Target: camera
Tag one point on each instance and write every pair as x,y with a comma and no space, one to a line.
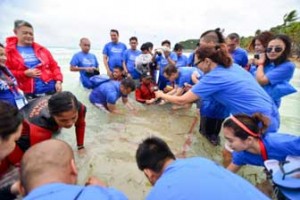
256,56
159,53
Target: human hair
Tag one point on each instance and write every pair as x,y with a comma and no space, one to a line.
62,102
82,39
144,47
152,154
257,123
170,69
215,35
18,23
264,39
119,68
114,31
133,38
1,45
165,42
286,52
234,36
128,83
217,53
10,120
149,44
178,47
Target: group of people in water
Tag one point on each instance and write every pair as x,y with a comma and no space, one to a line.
242,95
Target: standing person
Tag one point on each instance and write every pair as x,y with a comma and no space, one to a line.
129,59
48,171
9,90
239,55
226,83
182,60
190,178
85,62
33,66
113,52
274,70
252,144
10,131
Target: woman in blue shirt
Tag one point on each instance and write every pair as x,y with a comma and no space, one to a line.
252,144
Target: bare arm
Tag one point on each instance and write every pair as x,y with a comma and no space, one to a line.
233,167
188,97
105,62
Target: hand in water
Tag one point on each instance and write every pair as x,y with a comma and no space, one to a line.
33,73
95,181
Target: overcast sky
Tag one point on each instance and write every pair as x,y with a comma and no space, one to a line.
64,22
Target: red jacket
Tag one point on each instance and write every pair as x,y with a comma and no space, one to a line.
50,69
144,92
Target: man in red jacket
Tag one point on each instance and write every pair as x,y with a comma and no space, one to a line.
33,66
145,92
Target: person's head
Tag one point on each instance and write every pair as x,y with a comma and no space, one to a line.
145,48
2,55
171,73
63,107
166,43
127,86
146,78
232,41
114,35
133,42
178,48
213,36
243,131
150,46
24,32
151,157
260,42
279,49
85,45
10,128
50,161
118,72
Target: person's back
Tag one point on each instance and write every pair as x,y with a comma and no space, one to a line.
200,178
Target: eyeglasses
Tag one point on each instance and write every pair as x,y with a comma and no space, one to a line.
281,164
276,49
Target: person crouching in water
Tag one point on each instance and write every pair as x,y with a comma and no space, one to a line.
105,95
145,92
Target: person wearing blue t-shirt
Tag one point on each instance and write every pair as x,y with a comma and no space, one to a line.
49,172
113,52
239,55
86,63
182,60
274,70
129,58
190,178
227,84
163,57
251,144
106,94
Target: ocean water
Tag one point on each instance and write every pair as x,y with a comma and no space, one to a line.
111,140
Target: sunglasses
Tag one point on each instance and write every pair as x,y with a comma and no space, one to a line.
276,49
281,164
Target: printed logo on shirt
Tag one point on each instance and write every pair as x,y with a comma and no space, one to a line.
30,59
116,50
87,62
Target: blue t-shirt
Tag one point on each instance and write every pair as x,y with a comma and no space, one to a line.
200,178
240,57
107,92
163,62
191,60
238,91
70,192
185,76
31,61
129,59
182,61
7,92
82,59
276,75
114,52
278,147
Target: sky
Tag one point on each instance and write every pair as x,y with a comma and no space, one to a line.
61,23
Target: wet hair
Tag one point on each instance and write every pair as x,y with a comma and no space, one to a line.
133,38
1,45
215,35
217,53
256,123
286,52
264,39
114,31
165,42
152,154
10,120
18,23
170,69
62,102
234,36
178,47
128,83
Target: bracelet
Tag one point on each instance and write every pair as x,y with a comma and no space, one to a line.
80,147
